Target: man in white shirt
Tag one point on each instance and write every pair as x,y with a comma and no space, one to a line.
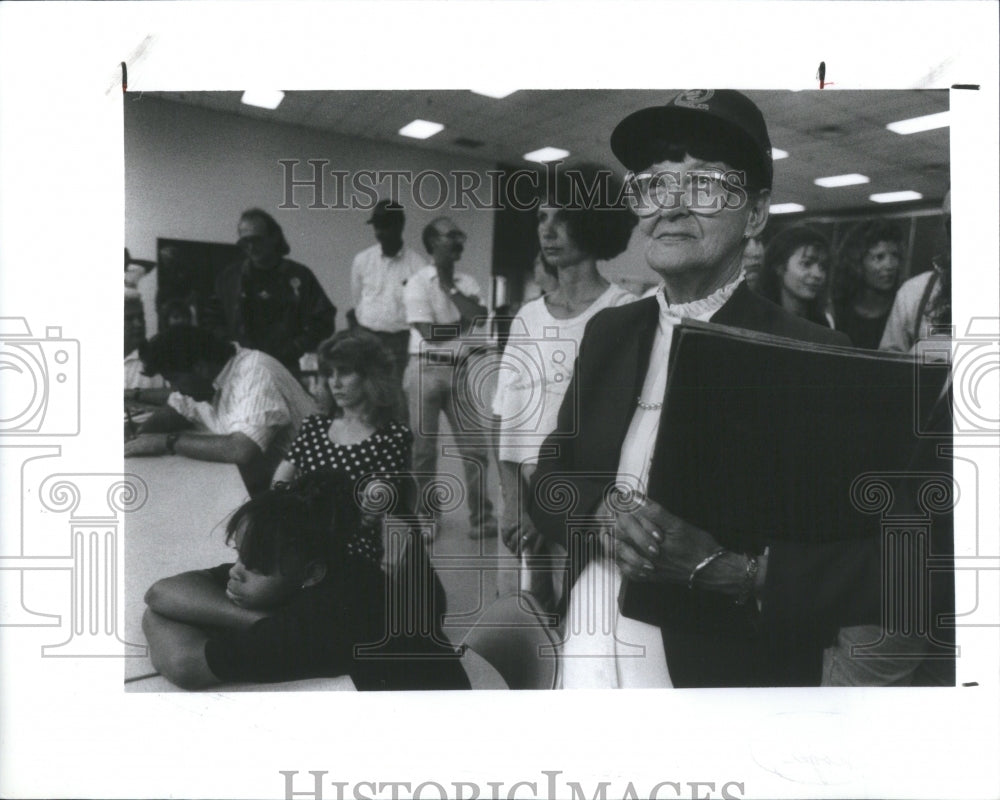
378,276
230,404
443,308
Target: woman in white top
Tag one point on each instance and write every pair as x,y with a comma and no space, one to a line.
581,219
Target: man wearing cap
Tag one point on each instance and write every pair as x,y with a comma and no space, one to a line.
445,313
269,302
700,177
378,276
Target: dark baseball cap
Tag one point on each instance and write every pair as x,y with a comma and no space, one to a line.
386,211
722,116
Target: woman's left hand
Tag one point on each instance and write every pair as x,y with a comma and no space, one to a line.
651,544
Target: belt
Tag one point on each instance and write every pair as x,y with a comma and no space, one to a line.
387,334
438,359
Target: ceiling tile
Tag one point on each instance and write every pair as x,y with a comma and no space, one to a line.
826,132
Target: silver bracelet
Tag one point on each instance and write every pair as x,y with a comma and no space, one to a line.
702,564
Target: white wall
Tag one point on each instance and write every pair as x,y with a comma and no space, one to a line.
190,171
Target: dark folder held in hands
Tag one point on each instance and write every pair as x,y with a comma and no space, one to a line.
762,438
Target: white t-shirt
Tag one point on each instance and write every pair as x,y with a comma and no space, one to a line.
535,371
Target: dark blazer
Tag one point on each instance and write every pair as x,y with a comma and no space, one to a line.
283,311
810,590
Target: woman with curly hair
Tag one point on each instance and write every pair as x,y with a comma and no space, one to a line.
866,281
796,268
582,219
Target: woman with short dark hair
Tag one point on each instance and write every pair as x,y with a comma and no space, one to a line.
582,219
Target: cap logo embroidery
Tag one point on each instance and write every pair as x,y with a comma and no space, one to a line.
695,98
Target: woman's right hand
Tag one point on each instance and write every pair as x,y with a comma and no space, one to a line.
652,544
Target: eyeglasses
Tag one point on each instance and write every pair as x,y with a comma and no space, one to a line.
456,237
704,191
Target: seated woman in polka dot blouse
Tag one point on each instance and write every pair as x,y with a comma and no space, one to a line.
362,436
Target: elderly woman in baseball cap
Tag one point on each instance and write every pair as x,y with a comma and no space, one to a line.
700,173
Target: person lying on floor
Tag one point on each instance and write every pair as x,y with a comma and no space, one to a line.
297,603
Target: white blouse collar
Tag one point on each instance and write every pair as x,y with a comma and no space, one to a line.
703,307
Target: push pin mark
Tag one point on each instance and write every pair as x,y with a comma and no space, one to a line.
821,75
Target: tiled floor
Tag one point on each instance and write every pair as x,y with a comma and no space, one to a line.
469,568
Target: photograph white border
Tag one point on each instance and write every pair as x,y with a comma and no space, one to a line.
67,728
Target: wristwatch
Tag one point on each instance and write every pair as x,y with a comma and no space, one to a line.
171,443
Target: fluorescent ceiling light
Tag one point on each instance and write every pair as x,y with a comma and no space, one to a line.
786,208
263,98
421,129
833,181
777,153
918,124
546,154
895,197
498,94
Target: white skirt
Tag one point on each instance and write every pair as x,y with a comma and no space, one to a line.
601,648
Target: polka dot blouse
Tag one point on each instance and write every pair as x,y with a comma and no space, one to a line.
386,450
